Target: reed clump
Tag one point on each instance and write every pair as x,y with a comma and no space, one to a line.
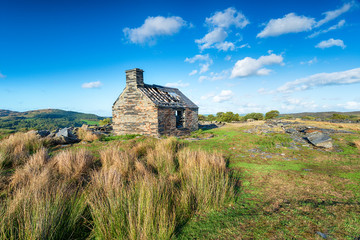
147,191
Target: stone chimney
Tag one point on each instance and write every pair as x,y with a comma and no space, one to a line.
134,77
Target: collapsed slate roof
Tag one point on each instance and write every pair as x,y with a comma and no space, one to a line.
166,96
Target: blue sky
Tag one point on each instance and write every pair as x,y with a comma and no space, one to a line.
240,56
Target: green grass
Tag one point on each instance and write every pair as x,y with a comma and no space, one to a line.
291,195
121,137
90,122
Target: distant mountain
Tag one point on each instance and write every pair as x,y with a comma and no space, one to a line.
44,119
321,115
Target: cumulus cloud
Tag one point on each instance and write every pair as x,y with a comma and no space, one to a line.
193,72
217,35
215,76
311,61
227,18
177,84
204,67
331,43
96,84
225,95
219,24
340,24
154,27
352,105
205,60
330,15
290,23
199,57
250,66
322,79
290,103
251,107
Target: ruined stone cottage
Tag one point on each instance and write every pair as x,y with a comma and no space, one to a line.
152,110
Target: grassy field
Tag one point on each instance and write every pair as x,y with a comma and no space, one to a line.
184,189
286,193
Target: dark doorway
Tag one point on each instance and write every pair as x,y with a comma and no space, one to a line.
179,118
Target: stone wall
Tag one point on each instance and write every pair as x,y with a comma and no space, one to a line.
134,113
167,122
191,119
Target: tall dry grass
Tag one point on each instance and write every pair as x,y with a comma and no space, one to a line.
87,135
357,144
145,192
139,195
15,149
42,203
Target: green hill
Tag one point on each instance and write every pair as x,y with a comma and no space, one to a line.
323,115
48,119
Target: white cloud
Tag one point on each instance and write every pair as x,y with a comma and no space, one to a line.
251,107
245,45
2,75
215,76
218,35
219,23
199,57
228,58
340,24
225,46
154,27
250,66
193,72
227,18
322,79
204,67
352,105
177,84
225,95
331,43
290,103
290,23
330,15
96,84
312,61
206,97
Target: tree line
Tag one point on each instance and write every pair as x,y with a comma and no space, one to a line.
233,117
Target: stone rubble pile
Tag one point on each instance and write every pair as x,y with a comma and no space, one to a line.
301,134
69,135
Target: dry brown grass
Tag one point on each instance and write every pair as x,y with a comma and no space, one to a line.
357,144
144,192
341,126
31,169
17,147
73,164
87,135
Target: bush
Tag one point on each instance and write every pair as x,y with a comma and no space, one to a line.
105,121
227,117
255,116
272,114
337,116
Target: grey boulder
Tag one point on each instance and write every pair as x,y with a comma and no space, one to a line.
319,139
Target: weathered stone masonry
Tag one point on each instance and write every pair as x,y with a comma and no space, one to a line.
152,109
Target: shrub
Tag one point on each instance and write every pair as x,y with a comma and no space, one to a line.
272,114
337,116
105,121
255,116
